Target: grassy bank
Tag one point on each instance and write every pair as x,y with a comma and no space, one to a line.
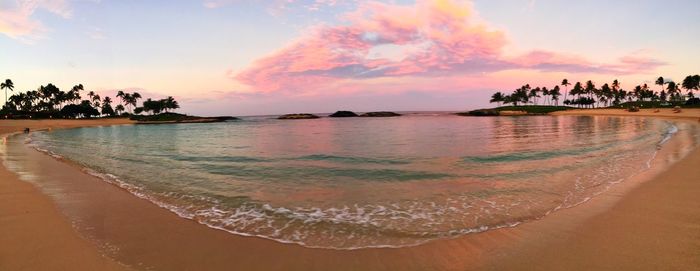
521,110
177,118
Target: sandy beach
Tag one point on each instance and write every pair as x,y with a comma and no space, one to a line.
689,114
652,223
36,236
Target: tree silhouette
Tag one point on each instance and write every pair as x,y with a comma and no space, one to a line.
107,107
497,97
660,81
691,83
7,85
555,93
566,84
119,109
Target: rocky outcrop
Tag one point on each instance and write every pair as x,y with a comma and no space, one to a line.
480,113
166,118
343,114
297,116
380,114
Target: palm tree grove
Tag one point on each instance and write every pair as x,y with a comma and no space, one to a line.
589,95
51,102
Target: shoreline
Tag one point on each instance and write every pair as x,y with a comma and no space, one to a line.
691,114
494,250
35,234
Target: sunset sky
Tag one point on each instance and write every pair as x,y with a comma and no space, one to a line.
236,57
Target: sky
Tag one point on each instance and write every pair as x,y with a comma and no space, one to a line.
236,57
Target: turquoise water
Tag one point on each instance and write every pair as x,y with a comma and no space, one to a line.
364,182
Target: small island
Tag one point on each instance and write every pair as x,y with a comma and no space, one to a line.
343,114
299,116
524,100
168,118
50,102
380,114
514,111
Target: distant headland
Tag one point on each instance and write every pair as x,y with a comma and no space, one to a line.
340,114
50,102
526,99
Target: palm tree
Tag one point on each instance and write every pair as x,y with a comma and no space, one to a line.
606,92
647,92
534,94
123,97
673,91
660,81
638,92
545,94
617,91
590,88
519,95
170,104
662,95
73,95
497,97
96,100
119,109
7,85
132,99
566,84
107,107
690,83
555,92
120,95
525,93
16,101
577,90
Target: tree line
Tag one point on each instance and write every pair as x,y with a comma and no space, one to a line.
589,95
49,101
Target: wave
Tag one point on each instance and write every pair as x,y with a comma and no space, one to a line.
383,223
306,173
352,159
667,135
231,159
312,157
544,155
388,225
308,226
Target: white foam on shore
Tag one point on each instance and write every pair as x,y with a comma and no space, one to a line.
672,130
231,220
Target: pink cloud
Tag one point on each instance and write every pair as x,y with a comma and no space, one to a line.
277,6
436,38
637,63
16,17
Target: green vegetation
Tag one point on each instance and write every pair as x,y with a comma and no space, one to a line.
690,103
176,118
158,106
480,113
534,109
380,114
51,102
297,116
587,95
7,85
529,109
343,114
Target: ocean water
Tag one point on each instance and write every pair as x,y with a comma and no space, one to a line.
366,182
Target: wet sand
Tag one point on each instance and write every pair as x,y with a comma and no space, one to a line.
33,233
647,225
689,114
